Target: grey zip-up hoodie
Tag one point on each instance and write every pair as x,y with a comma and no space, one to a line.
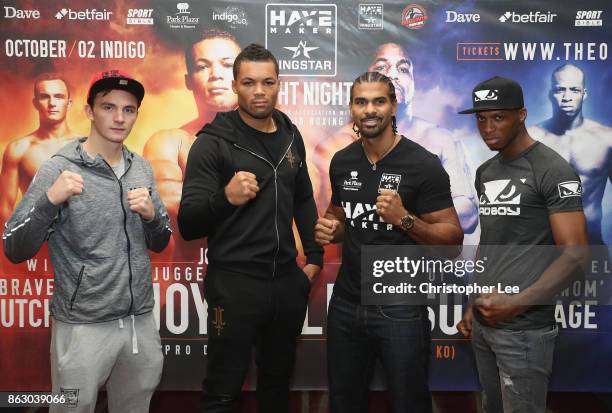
97,245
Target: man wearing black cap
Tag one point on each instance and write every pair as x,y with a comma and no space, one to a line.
529,197
96,203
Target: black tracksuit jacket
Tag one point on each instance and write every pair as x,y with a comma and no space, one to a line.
255,238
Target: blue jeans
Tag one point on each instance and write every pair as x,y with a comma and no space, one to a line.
514,367
357,335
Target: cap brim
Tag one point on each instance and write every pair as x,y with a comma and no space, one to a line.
483,109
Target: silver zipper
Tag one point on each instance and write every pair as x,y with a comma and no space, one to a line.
274,168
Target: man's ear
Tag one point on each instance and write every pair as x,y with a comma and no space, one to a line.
522,114
89,112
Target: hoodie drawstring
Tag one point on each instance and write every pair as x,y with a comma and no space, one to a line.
134,336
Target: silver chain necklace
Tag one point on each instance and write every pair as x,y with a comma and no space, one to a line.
381,156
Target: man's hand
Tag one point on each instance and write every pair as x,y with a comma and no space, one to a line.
65,186
496,307
465,325
312,271
325,230
390,208
140,202
242,188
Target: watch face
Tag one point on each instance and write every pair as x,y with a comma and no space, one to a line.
407,222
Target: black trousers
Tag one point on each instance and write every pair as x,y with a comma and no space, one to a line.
246,312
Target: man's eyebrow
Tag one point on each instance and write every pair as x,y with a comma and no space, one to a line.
404,61
381,59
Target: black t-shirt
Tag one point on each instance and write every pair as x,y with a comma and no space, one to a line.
409,169
516,197
266,144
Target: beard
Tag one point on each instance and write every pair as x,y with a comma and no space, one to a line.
373,132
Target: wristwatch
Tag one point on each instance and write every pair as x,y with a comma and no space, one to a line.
407,222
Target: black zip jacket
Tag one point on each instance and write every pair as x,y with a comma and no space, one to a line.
255,238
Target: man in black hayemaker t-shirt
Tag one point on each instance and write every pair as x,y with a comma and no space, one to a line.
529,196
386,190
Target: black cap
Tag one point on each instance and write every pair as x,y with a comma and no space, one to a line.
115,79
497,93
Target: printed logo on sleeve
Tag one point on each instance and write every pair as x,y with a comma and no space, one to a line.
72,397
570,188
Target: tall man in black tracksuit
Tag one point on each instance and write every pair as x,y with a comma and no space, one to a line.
245,182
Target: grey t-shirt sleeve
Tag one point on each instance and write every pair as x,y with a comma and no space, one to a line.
561,187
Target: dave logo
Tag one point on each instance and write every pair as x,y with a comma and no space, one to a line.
570,188
500,197
390,182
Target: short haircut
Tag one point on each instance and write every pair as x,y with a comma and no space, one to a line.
49,76
374,77
207,34
254,53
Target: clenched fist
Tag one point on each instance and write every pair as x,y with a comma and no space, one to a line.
140,202
465,325
325,230
242,188
389,207
65,186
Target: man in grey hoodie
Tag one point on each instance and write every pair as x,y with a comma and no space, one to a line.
96,203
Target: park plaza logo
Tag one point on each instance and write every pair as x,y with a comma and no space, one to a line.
352,183
182,18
